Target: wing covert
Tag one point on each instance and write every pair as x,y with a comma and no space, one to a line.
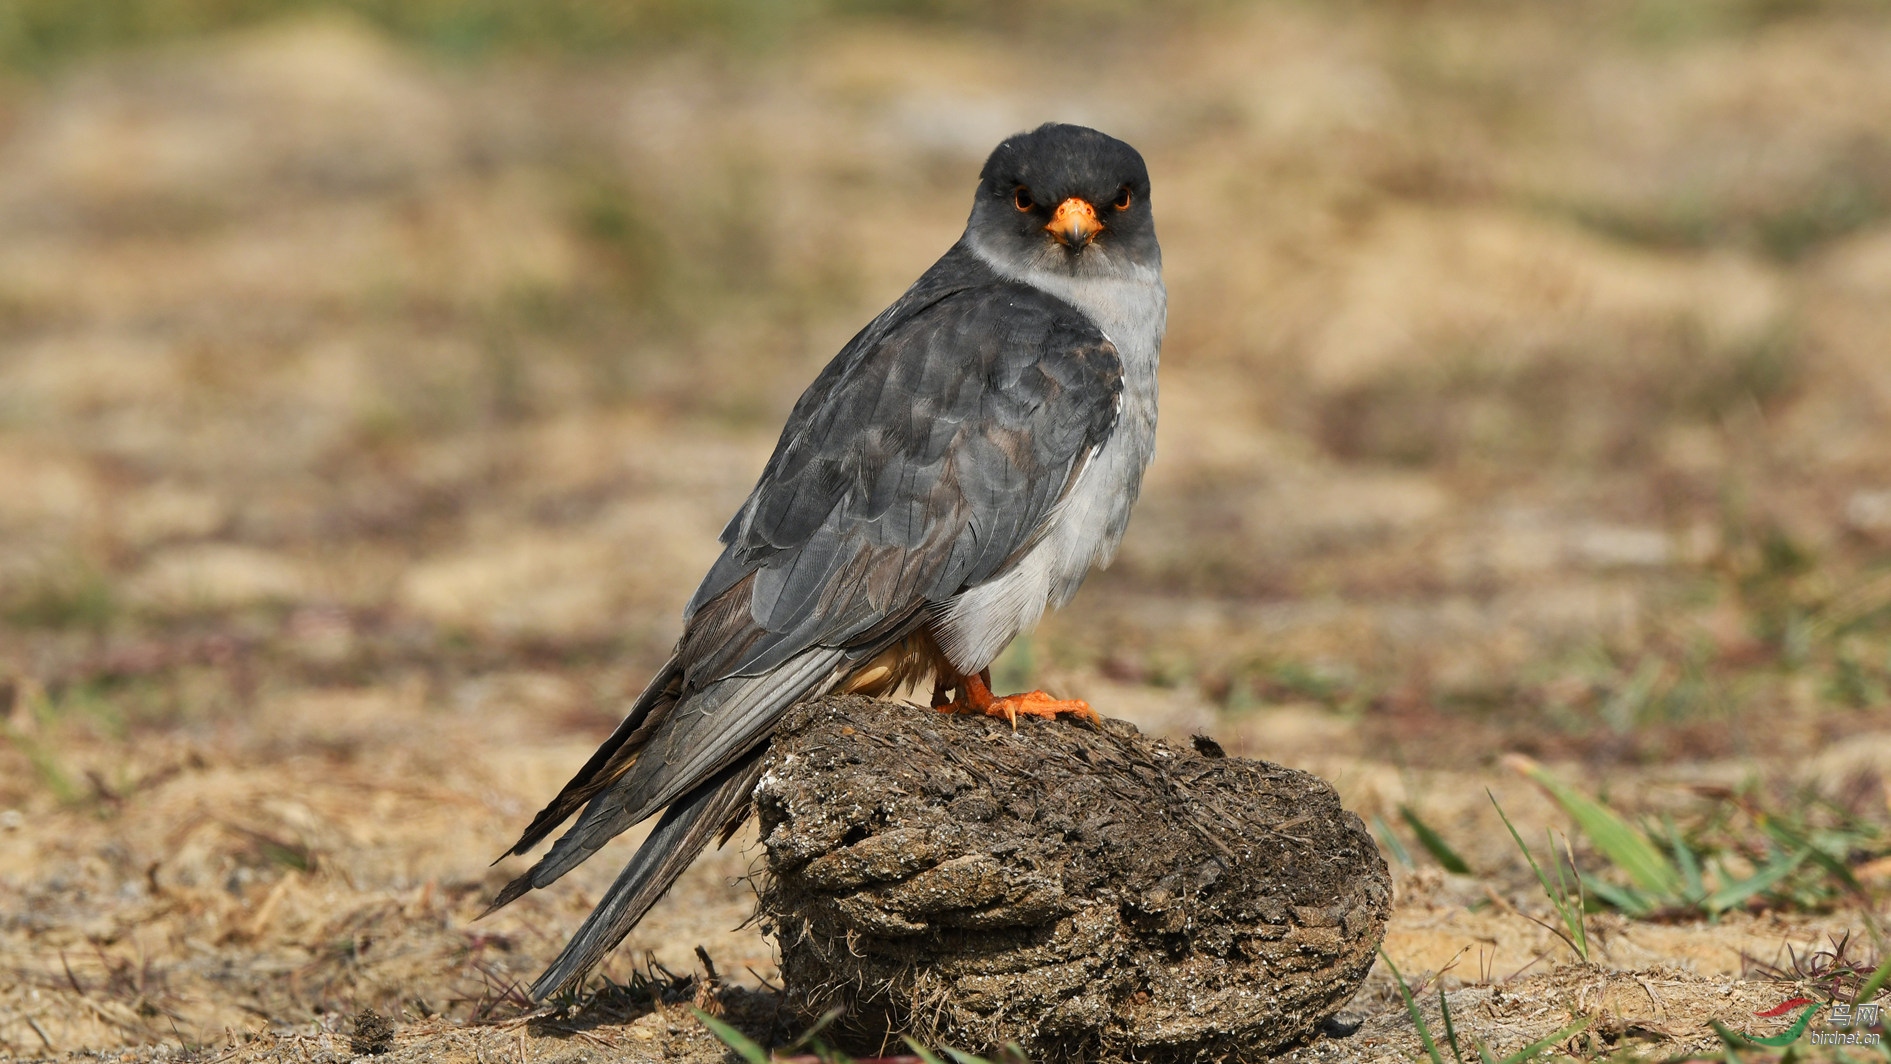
927,466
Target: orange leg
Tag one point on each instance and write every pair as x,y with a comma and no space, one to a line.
975,697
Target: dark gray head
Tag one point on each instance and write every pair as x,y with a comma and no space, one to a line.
1065,198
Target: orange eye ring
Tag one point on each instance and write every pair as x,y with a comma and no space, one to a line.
1021,198
1124,197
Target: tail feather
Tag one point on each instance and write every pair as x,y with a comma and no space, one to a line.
609,763
719,805
697,738
695,750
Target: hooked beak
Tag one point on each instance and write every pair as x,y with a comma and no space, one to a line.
1075,223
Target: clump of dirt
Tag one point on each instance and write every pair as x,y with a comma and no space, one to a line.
1088,893
374,1034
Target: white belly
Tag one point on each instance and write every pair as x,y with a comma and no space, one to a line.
1085,528
973,628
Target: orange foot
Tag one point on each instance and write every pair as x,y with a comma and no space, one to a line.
975,697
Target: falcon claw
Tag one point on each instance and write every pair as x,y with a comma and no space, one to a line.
1039,704
976,698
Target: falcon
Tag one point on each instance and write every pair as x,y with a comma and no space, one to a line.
959,467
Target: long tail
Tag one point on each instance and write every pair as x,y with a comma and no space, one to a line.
612,759
720,804
696,752
701,735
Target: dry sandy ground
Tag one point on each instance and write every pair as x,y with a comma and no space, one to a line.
264,888
364,422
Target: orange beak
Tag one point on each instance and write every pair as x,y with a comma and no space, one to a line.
1075,223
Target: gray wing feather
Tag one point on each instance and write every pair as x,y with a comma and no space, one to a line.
946,447
923,461
926,469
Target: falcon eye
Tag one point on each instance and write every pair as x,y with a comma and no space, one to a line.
1122,200
1022,200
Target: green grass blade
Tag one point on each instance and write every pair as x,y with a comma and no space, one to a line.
1685,859
808,1036
1833,864
1734,894
1411,1006
1731,1042
959,1056
1434,843
1451,1030
1571,911
1390,840
732,1038
922,1052
1626,848
1527,855
1530,1051
44,765
1872,985
1735,1039
1627,899
1578,938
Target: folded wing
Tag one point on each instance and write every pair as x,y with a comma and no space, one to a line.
925,460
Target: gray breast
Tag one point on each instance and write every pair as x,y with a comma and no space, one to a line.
1084,530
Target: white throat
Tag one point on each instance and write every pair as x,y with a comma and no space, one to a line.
1129,305
1125,300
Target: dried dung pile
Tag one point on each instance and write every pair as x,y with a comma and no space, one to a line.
1090,894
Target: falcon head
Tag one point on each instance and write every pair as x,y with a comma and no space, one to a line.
1066,198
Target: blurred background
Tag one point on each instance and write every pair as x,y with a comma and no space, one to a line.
375,377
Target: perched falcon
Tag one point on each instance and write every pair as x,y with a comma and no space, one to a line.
960,466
